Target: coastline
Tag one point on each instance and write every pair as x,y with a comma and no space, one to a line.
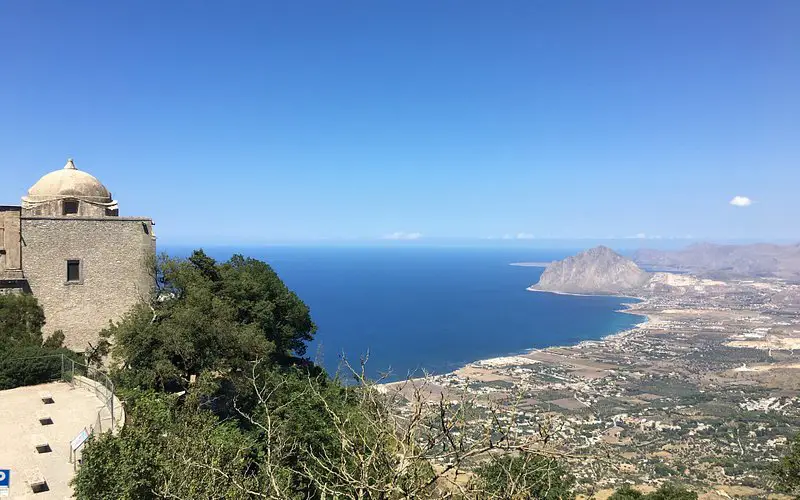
517,358
533,288
671,377
514,358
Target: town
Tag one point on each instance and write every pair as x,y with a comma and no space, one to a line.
703,392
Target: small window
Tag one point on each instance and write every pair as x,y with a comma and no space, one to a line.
73,270
70,207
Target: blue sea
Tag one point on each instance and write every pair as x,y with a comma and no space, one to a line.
433,308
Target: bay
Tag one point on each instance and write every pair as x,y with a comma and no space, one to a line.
414,308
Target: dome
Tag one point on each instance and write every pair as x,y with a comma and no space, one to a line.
69,182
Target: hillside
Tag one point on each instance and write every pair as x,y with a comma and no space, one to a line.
599,270
728,261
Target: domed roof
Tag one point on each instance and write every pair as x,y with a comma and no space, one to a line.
69,182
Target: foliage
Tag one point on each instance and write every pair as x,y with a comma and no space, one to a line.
627,492
221,404
306,438
788,469
339,441
665,492
671,492
525,476
209,317
168,450
26,357
30,365
21,320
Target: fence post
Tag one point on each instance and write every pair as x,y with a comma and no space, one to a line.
111,388
94,378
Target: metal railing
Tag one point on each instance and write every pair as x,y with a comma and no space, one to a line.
42,369
79,374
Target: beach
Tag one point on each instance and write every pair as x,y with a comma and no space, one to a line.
705,355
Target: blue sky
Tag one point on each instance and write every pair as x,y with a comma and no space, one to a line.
254,122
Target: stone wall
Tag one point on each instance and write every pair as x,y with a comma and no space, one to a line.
10,264
114,253
55,208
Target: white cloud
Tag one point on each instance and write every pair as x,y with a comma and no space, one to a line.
400,235
518,236
741,201
642,236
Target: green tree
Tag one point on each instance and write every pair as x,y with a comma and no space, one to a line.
263,300
307,438
221,404
171,450
665,492
524,476
788,469
209,317
26,357
21,320
671,492
627,492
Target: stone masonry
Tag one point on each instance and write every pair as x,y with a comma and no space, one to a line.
114,255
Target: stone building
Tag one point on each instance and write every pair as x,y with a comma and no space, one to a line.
68,245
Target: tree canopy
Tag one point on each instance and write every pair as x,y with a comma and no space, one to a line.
26,356
21,320
788,469
222,404
525,476
665,492
209,317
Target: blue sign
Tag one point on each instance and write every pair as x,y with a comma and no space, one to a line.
5,477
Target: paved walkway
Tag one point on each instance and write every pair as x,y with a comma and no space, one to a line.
72,410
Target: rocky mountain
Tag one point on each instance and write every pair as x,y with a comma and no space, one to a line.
727,261
599,270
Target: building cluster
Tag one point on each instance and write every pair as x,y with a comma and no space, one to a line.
675,399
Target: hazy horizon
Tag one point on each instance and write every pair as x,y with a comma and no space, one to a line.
575,244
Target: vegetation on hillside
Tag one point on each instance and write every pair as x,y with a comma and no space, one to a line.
665,492
788,470
222,403
209,318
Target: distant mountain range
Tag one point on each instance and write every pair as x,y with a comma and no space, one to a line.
727,261
598,270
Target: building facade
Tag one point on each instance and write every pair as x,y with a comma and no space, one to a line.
68,246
